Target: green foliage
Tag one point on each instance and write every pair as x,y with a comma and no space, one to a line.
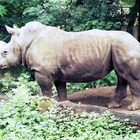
10,84
11,12
108,80
128,2
20,119
76,16
2,10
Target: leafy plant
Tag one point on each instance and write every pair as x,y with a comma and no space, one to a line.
75,15
2,10
20,119
10,84
109,80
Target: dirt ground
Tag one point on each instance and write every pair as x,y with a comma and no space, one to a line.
101,97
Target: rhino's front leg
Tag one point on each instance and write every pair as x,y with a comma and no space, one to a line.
45,82
61,89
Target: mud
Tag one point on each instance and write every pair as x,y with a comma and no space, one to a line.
101,97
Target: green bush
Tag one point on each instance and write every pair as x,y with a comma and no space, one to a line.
20,119
9,84
73,15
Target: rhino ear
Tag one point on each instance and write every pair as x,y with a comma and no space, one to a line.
10,30
15,27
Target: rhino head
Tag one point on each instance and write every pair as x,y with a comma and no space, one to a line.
13,52
10,54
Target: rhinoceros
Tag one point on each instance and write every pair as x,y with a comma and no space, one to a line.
58,57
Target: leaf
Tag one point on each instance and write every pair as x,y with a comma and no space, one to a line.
2,10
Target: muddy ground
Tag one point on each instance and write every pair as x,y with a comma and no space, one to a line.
96,100
98,96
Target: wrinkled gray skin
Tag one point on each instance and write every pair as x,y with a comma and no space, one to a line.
59,57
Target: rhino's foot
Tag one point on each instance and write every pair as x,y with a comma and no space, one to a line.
135,104
62,100
134,107
114,104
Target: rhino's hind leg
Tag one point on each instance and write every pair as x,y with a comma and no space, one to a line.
61,89
45,82
120,93
135,91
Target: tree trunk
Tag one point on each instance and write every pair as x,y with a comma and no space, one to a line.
132,17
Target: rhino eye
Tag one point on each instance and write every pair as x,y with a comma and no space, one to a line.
4,53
